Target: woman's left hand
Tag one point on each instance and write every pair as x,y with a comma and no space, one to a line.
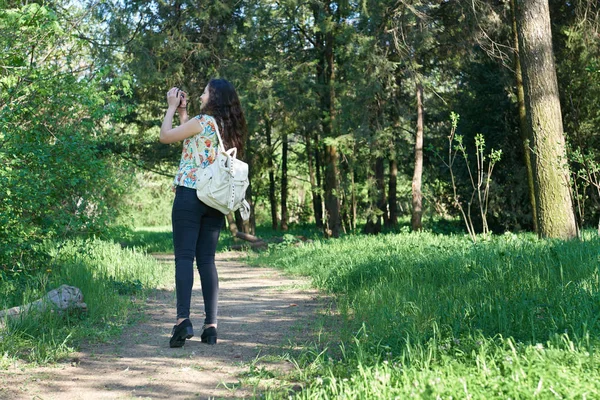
183,102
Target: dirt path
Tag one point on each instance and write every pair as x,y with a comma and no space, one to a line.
261,313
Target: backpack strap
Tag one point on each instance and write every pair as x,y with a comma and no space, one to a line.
230,154
221,144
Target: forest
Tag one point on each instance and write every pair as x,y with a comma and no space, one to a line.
371,122
359,113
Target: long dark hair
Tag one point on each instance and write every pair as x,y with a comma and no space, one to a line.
224,104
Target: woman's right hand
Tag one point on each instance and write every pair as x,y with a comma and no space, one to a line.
174,97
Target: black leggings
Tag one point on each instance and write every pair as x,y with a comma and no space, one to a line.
196,229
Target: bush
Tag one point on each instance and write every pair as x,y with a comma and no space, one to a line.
55,179
114,282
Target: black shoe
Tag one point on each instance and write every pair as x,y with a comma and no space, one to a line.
209,335
181,332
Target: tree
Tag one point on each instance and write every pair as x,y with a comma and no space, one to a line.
417,196
326,14
413,27
524,127
284,183
553,199
56,178
271,167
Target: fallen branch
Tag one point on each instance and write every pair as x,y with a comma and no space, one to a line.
256,245
248,237
259,243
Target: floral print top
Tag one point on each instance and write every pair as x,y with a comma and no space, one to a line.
207,144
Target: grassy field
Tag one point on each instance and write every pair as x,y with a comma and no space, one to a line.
424,315
158,239
435,316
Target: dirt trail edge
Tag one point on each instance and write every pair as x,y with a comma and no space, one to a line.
261,312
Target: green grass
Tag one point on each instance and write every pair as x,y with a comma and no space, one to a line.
159,239
431,315
424,315
113,281
152,239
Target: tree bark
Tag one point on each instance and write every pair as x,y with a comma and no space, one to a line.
381,197
315,189
417,195
251,223
284,183
318,199
325,78
347,194
320,77
392,196
373,224
354,200
332,203
248,237
272,197
556,218
523,126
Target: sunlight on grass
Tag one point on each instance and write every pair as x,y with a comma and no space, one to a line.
114,282
431,315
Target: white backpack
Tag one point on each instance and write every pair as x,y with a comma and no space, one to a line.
222,185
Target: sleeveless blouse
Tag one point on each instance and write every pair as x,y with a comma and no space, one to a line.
207,144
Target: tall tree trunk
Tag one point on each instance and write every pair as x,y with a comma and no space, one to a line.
284,183
371,227
381,197
325,78
524,127
373,224
332,202
345,221
242,226
318,14
393,179
392,196
377,197
315,188
319,197
272,197
347,194
553,197
354,200
250,158
417,195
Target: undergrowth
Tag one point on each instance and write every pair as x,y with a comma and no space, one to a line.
113,281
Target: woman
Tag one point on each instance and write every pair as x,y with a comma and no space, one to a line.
196,226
